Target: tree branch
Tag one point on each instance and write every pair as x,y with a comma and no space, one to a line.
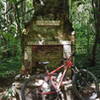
17,3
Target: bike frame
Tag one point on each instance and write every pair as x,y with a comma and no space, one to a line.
68,64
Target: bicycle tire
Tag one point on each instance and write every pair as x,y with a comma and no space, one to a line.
34,91
29,91
85,85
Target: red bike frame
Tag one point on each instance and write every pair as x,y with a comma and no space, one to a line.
68,64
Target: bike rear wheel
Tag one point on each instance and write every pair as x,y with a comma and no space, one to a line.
85,85
31,92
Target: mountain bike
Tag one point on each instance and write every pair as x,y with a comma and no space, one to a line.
50,86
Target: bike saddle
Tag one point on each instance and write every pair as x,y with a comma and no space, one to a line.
43,63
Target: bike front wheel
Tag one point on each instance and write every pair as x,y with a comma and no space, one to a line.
85,85
31,92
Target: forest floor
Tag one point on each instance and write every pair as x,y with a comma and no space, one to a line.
15,87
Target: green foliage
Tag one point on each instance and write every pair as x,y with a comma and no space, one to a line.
13,15
9,66
83,21
82,18
10,50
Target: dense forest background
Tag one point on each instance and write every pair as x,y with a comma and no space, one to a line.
85,18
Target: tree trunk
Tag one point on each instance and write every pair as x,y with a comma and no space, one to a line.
96,8
20,33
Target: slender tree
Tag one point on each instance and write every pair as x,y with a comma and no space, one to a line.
96,9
